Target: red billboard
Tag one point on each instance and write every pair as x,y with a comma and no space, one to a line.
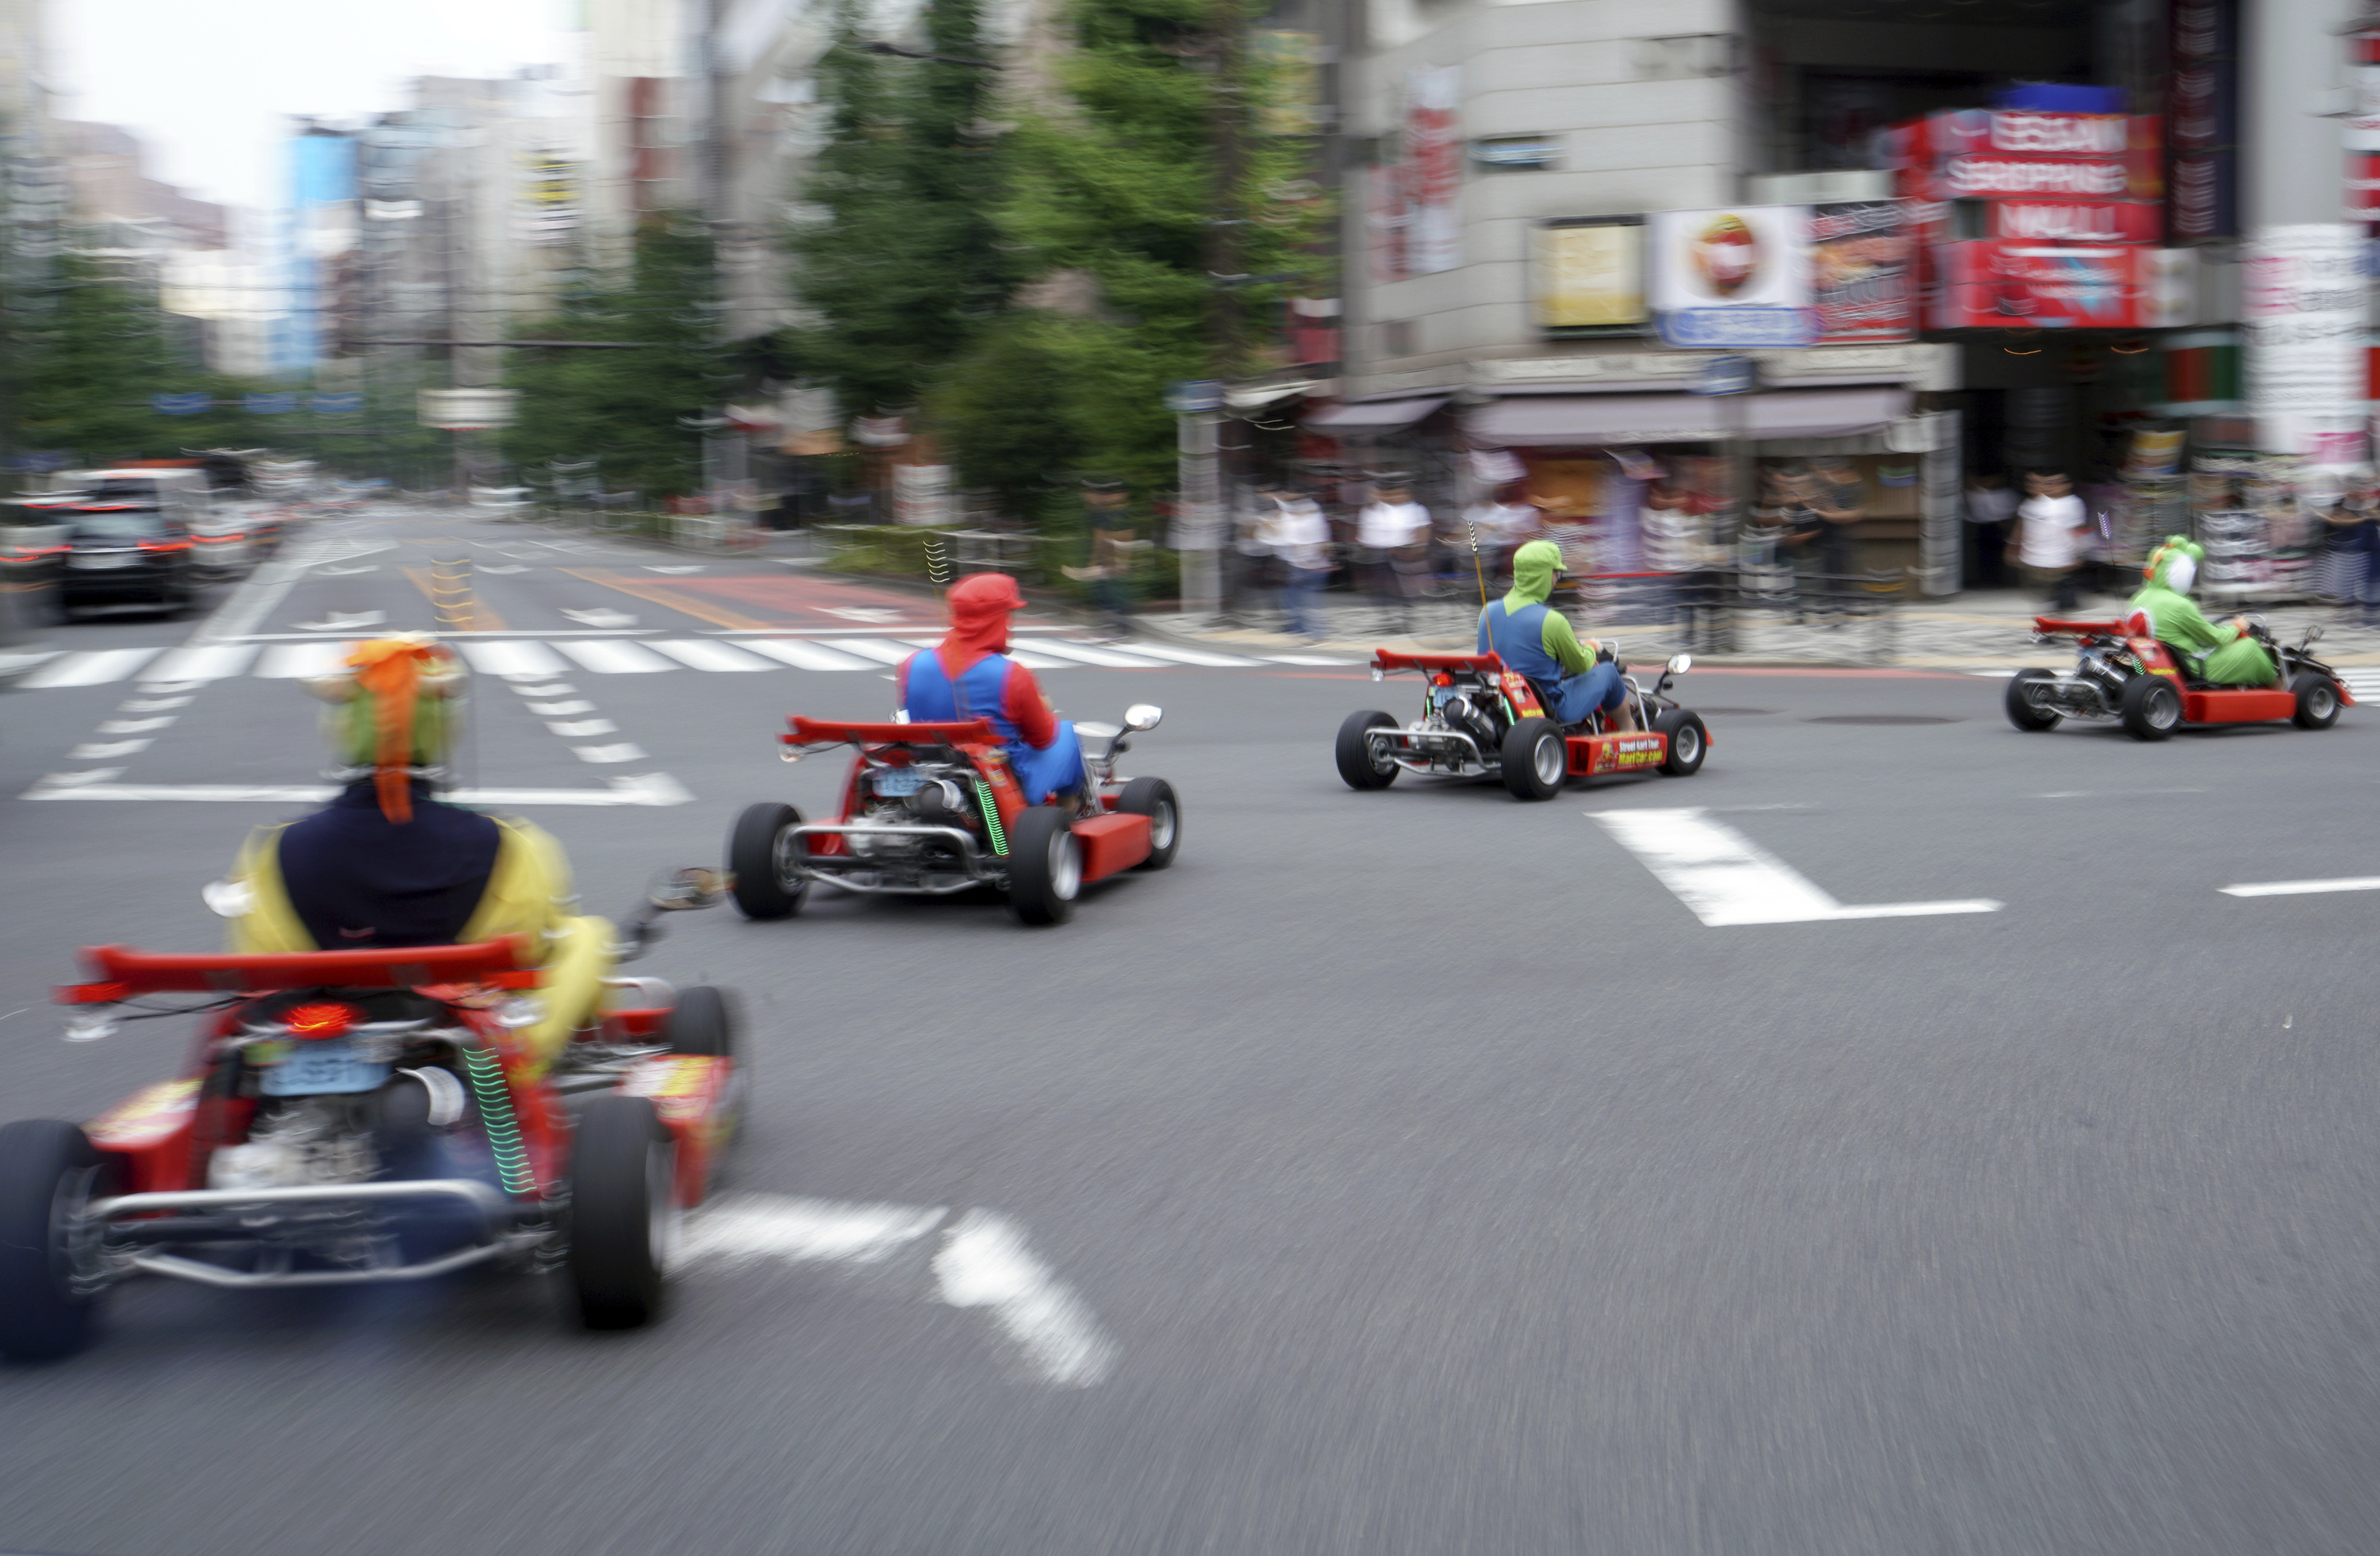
1999,284
2075,221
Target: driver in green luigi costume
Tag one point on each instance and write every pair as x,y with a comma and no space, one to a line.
2226,654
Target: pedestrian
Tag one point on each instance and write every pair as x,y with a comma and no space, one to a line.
1990,505
2350,555
1251,556
1839,500
1393,537
2049,541
1303,543
1107,514
1675,530
1501,525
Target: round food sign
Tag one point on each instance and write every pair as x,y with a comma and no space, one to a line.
1727,256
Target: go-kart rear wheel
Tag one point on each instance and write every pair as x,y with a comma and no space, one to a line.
2317,697
2152,708
2023,712
1153,797
701,1023
1689,741
1537,760
622,1209
762,851
1045,866
49,1171
1365,764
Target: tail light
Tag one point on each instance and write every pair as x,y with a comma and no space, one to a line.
93,994
316,1021
165,545
1441,679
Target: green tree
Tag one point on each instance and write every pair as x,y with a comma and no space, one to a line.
625,409
901,263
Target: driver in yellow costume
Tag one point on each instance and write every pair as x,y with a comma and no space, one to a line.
388,864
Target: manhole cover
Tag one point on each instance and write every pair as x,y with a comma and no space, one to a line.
1730,712
1880,719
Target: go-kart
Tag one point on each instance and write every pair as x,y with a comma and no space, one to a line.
1479,718
932,809
2123,673
348,1117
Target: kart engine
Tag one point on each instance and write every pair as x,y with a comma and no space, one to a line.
923,793
299,1140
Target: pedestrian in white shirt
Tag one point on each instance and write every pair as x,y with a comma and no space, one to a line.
1392,539
1990,505
2050,524
1302,536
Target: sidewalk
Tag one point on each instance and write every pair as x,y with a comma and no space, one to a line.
1988,629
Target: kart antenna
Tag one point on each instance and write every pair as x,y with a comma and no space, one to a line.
1473,531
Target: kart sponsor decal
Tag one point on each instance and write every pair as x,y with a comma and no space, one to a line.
1612,754
680,1086
145,1117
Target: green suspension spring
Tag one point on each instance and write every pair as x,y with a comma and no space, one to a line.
496,1116
992,818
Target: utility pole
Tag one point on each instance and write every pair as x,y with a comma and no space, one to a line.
1199,526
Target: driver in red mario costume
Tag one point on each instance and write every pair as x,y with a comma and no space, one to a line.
969,676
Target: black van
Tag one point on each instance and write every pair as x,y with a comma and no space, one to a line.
122,552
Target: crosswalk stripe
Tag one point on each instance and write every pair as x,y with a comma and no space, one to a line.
287,662
89,668
513,659
613,656
1189,656
876,649
802,654
1093,653
708,653
213,662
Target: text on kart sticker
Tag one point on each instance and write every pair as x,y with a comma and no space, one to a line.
145,1117
680,1084
1644,750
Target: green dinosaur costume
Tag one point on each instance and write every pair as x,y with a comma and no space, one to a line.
2224,655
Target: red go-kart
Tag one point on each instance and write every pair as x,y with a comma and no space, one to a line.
931,808
1478,718
356,1116
2123,673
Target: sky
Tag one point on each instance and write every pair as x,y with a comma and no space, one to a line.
210,85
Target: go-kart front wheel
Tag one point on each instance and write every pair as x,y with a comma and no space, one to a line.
1045,866
2317,697
49,1171
622,1209
1153,797
1537,760
1689,741
2022,711
1365,763
761,854
2152,708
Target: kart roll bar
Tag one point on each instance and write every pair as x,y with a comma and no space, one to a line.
843,732
118,971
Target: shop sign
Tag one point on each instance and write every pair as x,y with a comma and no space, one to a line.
2205,102
1863,284
1997,283
1986,177
2362,130
921,493
2075,221
2301,301
1737,277
1417,216
1589,274
467,410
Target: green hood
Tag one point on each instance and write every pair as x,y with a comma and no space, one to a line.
2161,560
1533,567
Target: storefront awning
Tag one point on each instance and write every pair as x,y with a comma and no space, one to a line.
1597,421
1373,416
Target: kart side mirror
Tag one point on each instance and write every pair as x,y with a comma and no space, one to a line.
228,899
1143,715
1680,663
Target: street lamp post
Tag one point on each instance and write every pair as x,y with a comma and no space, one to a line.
1198,526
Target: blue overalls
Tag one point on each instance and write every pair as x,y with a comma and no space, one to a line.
982,693
1518,639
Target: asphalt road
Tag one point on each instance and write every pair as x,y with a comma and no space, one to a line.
1438,1180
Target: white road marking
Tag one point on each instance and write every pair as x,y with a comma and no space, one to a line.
625,751
601,616
873,615
284,662
1727,879
345,572
1087,653
650,788
612,657
1032,661
106,751
558,689
803,655
1188,656
708,654
212,661
983,1262
876,649
91,667
133,726
559,710
512,569
340,620
580,729
2303,888
683,568
513,659
1304,659
152,704
260,592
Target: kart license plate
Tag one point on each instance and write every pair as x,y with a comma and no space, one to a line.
100,559
318,1067
899,781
